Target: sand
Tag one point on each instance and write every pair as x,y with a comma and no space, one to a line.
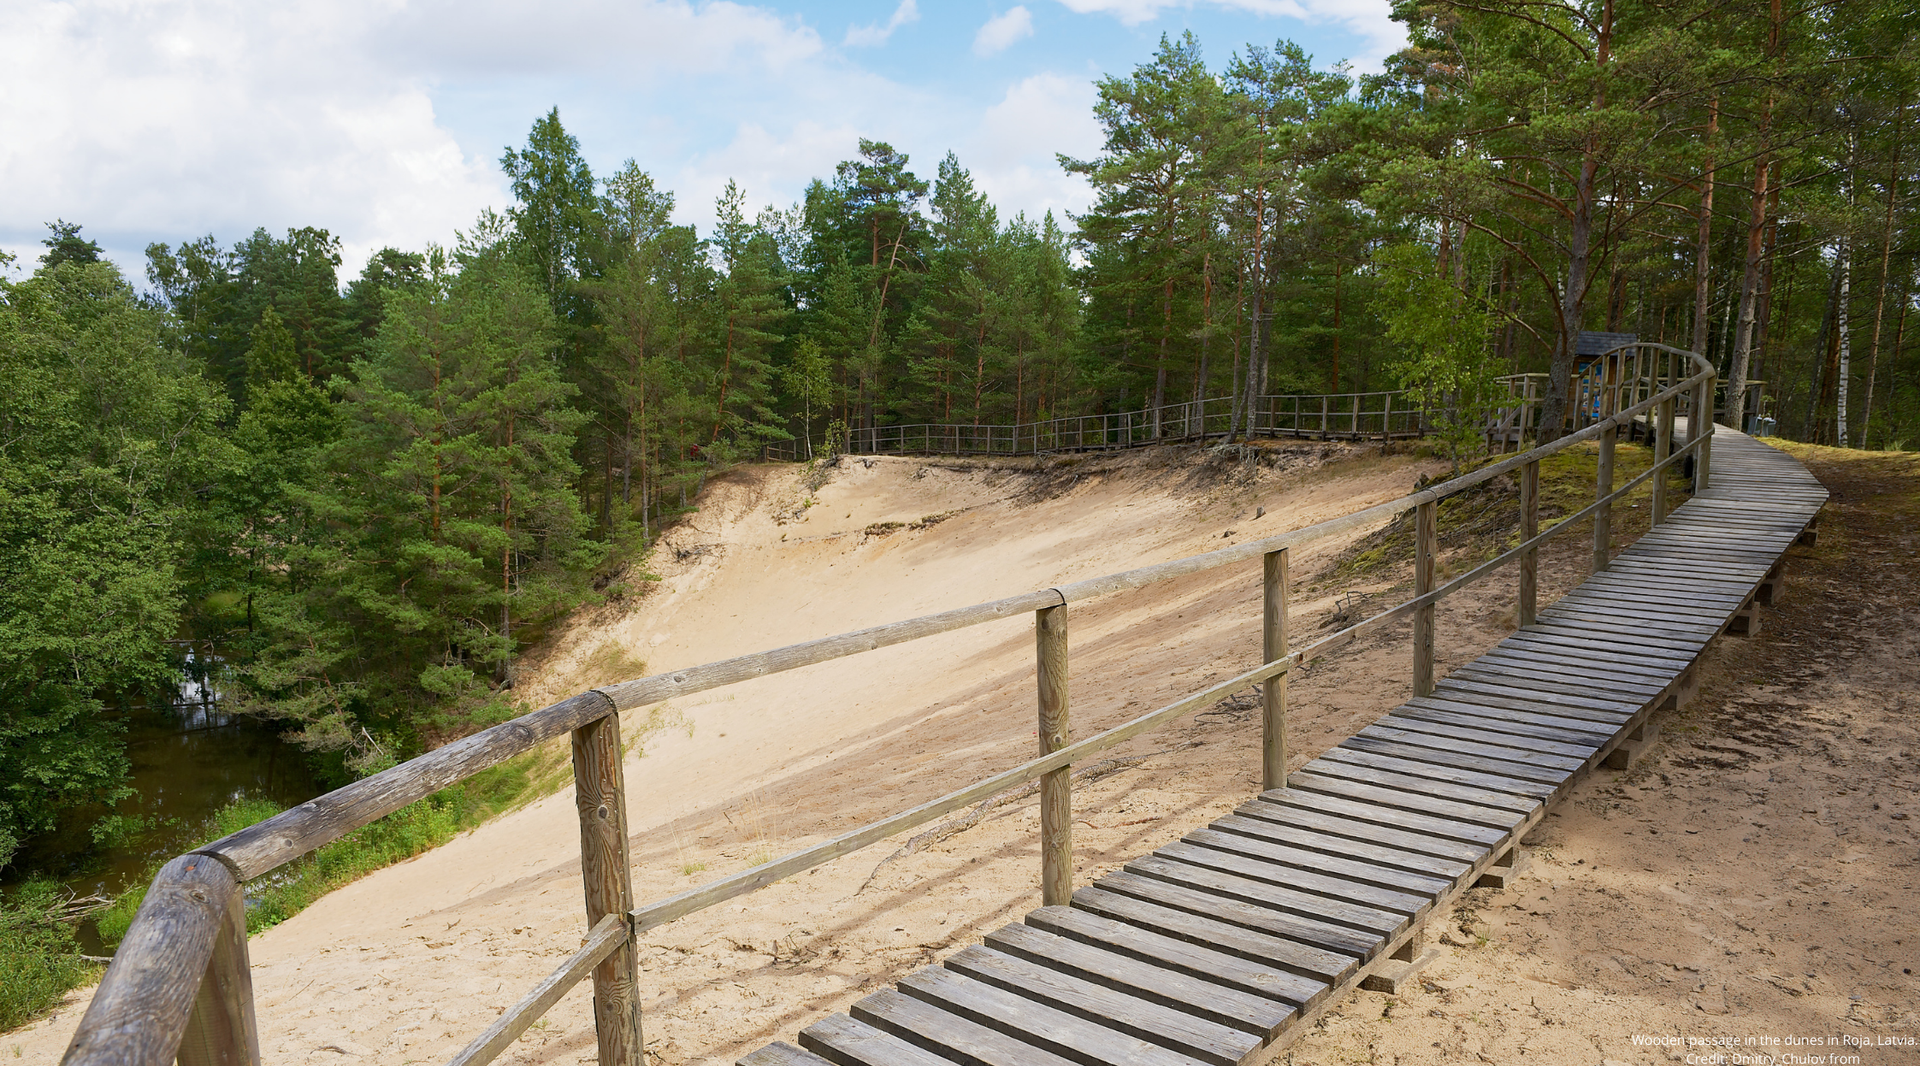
1737,882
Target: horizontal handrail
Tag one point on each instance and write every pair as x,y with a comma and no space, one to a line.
141,1007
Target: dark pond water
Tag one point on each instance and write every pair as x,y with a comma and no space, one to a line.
189,759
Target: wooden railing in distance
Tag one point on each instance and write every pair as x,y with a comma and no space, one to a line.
1344,416
179,986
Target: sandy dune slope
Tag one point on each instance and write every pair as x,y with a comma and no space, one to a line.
410,963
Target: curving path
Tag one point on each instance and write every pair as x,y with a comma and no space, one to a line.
1216,949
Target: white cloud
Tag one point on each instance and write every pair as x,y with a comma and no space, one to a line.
1371,20
1001,31
1012,151
872,36
169,120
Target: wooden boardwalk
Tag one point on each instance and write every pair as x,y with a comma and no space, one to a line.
1219,948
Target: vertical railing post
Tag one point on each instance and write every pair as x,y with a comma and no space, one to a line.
1703,460
1273,645
1529,529
600,797
1424,537
222,1030
1386,417
1056,797
1603,510
1662,448
1356,414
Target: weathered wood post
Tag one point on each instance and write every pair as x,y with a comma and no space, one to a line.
1425,534
1529,529
1603,511
1662,448
1386,417
1056,797
600,796
1703,460
222,1030
1273,645
1356,415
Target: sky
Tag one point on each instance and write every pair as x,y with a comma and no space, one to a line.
383,121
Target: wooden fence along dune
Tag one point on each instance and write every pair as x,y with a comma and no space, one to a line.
179,984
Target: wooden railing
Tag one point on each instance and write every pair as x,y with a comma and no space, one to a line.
179,984
1343,416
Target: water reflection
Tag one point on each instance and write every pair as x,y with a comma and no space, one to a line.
189,759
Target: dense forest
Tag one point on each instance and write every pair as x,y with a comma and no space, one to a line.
367,497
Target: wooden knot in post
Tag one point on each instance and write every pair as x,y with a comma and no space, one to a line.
601,812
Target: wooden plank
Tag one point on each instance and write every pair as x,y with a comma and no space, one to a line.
1426,786
1185,896
1645,644
1601,663
1530,749
781,1053
1679,621
1257,1016
1031,1022
843,1041
1438,751
1687,625
1216,876
1550,640
1345,847
1358,830
1454,710
1438,772
1514,762
1520,724
1611,709
1341,900
1174,954
1523,673
1408,801
1350,879
947,1034
1142,1019
1291,956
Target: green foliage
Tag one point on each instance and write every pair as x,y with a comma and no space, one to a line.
106,438
1442,339
42,958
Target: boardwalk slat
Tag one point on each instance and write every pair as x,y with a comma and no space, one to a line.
1388,881
948,1034
1515,785
1305,839
1366,831
1184,897
1433,750
1257,1016
1373,924
1325,967
1032,1022
1142,1019
1421,802
1170,953
1426,786
846,1042
1336,890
